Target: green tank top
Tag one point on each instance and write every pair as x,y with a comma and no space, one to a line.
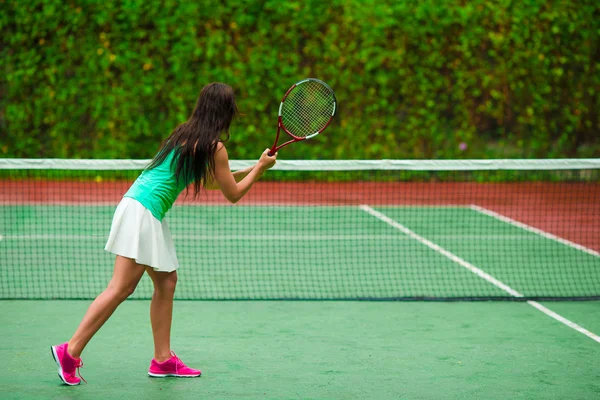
156,188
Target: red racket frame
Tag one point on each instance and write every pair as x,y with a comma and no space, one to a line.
280,124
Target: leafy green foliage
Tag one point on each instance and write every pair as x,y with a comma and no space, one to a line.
414,79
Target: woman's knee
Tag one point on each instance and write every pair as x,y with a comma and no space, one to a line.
167,284
121,292
125,278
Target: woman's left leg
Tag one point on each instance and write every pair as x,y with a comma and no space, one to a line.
161,311
165,362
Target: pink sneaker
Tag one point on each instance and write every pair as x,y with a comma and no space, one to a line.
67,365
172,367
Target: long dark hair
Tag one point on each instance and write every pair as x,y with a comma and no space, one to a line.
195,141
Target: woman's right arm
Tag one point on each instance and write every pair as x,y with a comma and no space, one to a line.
232,190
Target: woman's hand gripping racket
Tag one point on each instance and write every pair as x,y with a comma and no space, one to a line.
306,109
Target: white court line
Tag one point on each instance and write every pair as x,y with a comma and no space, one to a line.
565,321
275,237
50,237
442,251
477,271
529,228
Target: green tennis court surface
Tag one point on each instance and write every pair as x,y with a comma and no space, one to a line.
316,350
299,252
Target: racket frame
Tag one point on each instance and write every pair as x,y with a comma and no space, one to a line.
280,124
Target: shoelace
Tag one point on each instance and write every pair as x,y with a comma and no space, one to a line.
79,364
177,361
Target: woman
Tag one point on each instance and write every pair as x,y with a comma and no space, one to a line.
193,154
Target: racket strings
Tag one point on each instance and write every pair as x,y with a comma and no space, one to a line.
307,109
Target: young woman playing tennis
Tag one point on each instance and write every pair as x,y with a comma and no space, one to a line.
193,154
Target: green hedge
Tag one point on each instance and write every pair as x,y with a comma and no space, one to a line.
414,79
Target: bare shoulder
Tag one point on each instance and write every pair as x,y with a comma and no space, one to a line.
221,154
221,147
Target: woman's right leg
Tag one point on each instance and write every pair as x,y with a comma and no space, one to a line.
125,278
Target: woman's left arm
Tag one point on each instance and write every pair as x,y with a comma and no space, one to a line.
237,175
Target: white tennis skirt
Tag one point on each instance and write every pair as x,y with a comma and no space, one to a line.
136,233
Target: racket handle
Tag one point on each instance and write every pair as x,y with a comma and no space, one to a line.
271,152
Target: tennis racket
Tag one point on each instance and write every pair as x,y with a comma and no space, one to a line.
306,109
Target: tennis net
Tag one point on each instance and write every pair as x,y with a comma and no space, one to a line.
317,230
